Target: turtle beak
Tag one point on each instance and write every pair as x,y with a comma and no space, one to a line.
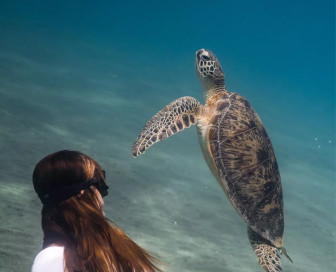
199,54
203,55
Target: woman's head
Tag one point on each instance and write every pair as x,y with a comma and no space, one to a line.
64,174
67,182
71,185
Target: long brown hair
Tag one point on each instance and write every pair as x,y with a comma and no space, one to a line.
91,243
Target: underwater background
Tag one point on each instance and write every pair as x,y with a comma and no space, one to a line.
87,75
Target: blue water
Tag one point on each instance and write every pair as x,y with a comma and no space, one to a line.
87,76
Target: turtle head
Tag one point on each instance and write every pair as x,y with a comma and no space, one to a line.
209,71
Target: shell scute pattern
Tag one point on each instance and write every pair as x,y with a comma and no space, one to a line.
239,118
244,157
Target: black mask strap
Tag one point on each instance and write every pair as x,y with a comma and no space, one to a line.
64,193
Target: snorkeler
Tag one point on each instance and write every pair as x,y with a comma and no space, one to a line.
77,236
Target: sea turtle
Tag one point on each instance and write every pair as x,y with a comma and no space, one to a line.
237,150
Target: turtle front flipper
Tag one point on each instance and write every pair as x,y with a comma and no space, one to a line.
268,255
176,116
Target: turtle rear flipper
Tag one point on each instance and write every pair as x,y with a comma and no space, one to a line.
268,255
176,116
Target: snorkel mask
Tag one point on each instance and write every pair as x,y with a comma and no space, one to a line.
63,193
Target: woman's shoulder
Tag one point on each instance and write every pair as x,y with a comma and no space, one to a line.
49,259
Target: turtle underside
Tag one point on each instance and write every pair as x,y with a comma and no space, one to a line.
247,168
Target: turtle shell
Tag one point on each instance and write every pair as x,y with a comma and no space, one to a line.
245,162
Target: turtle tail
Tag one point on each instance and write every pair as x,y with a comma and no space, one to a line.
284,251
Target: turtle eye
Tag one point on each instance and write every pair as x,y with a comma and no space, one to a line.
205,57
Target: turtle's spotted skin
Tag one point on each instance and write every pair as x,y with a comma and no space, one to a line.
244,158
237,150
